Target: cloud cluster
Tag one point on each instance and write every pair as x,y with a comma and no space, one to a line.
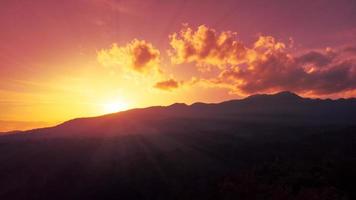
266,66
281,71
138,55
206,47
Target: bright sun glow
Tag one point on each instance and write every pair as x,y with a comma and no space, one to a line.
113,107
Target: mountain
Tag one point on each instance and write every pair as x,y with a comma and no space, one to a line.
272,147
284,107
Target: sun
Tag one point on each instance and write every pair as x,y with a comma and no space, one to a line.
115,106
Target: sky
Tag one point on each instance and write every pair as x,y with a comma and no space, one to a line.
78,58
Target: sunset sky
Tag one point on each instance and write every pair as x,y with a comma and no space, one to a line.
77,58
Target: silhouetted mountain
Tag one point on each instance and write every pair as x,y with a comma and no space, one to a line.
281,96
271,147
284,107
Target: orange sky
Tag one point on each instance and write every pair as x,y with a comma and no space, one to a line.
91,57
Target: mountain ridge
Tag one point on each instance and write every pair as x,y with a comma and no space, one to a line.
286,107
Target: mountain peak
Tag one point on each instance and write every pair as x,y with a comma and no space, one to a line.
287,94
284,95
177,105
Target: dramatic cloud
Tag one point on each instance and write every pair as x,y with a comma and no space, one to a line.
168,85
267,66
138,55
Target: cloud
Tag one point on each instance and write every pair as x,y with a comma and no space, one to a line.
168,85
279,71
206,47
317,58
350,49
141,58
138,56
266,66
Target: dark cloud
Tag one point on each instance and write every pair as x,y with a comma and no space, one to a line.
350,49
317,58
280,71
168,85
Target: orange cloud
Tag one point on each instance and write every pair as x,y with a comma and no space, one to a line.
138,55
168,85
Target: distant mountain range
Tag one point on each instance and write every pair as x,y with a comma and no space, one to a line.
284,108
